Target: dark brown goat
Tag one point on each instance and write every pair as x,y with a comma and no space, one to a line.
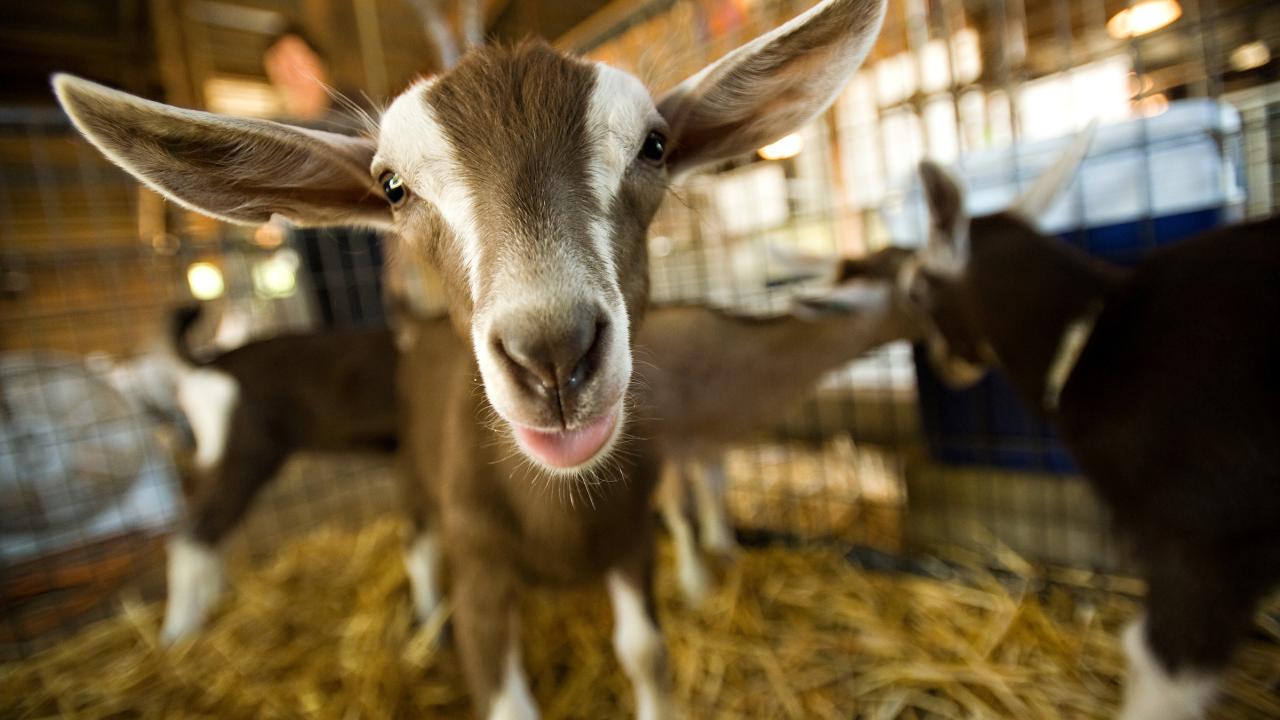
1163,381
250,409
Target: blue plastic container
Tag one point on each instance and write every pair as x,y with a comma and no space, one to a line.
1145,183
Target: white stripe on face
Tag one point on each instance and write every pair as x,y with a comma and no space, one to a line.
412,142
619,117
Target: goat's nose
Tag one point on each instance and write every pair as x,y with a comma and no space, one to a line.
552,354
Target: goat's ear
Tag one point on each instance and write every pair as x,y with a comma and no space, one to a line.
770,86
1040,196
848,298
948,245
235,169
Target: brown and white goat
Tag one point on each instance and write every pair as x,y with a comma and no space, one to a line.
529,179
250,409
1162,382
712,378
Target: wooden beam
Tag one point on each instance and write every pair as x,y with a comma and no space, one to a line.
606,22
175,73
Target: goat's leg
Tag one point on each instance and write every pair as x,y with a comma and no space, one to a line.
637,639
422,553
223,495
691,573
486,629
1198,607
713,521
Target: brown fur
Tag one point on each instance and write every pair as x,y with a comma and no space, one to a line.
337,397
531,237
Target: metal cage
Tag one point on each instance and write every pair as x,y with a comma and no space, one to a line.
879,460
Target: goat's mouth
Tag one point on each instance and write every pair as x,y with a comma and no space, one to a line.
571,450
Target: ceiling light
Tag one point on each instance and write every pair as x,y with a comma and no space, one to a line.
1249,56
205,281
1143,17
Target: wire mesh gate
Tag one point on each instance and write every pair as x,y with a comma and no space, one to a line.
868,462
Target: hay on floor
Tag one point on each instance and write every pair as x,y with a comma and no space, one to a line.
325,630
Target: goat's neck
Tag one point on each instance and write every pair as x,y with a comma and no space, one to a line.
1029,290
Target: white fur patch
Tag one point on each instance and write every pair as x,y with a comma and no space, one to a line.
1152,693
1070,347
514,701
639,647
412,143
713,521
208,397
619,117
422,564
195,583
690,571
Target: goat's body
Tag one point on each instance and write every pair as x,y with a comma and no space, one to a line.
337,394
711,378
1172,410
503,526
1206,366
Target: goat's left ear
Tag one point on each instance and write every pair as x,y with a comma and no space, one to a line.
948,245
771,86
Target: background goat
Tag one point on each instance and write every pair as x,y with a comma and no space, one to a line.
1162,381
716,377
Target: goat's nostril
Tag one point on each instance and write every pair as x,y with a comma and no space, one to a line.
589,358
524,362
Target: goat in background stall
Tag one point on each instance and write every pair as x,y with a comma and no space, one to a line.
713,378
1162,381
529,179
259,404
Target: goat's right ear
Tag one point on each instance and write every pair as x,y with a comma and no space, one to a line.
235,169
771,86
947,250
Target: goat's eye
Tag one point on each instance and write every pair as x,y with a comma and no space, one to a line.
654,147
393,187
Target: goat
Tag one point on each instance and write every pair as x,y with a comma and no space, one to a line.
528,179
715,377
1161,380
260,403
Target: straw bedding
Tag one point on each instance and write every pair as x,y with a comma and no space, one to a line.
324,630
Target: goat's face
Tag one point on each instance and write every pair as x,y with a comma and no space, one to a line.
545,171
528,178
965,259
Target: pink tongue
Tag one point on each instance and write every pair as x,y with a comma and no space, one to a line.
570,448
